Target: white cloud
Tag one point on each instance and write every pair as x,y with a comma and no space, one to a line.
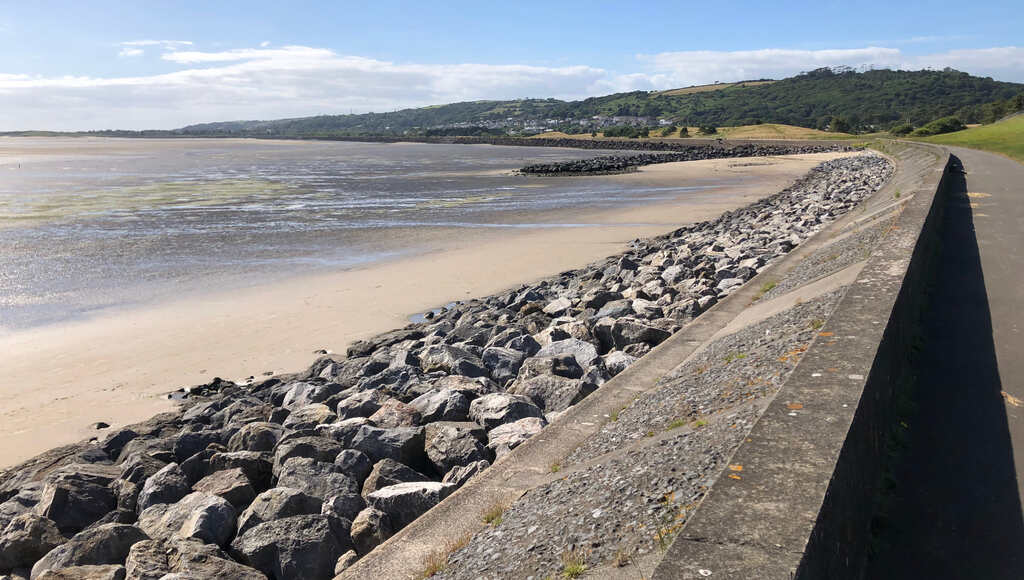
162,43
703,67
290,81
129,51
700,67
265,44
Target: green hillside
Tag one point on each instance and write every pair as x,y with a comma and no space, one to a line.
866,101
1005,137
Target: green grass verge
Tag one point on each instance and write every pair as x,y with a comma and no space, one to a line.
1005,137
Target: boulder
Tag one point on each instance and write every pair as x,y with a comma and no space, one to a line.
584,352
448,446
197,466
309,417
471,388
615,309
370,528
562,365
343,505
361,404
313,447
503,363
442,405
277,503
115,442
404,502
403,444
306,546
153,560
596,299
627,331
507,437
75,497
258,436
198,515
617,361
304,394
460,475
104,572
499,408
524,343
316,478
255,465
138,467
106,544
26,539
188,443
345,562
230,484
390,472
398,380
451,360
343,431
165,486
552,393
394,413
558,306
354,464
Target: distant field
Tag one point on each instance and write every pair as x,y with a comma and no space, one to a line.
715,87
1004,137
763,131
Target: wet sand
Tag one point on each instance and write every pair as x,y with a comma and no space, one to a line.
117,367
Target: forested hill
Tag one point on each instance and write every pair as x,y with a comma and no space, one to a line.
867,101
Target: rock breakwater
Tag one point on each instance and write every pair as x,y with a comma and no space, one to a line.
607,164
300,475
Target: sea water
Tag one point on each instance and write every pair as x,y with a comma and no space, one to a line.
88,224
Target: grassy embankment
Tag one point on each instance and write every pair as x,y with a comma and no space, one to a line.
1005,137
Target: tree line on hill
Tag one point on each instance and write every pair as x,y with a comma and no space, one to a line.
866,101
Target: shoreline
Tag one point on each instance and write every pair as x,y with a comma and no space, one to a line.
116,367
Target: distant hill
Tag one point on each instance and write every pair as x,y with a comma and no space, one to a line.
866,101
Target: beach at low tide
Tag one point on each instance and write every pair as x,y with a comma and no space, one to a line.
116,365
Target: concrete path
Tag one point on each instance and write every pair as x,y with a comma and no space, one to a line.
955,508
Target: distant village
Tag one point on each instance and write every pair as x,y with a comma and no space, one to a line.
516,126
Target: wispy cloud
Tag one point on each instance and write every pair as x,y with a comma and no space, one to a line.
129,52
274,82
161,43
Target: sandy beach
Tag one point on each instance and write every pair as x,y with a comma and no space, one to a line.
117,367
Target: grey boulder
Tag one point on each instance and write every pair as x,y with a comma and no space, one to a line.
448,445
404,502
277,503
442,405
230,484
106,544
304,547
198,515
499,408
370,528
388,472
165,486
27,538
507,437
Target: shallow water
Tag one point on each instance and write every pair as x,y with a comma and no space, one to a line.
89,224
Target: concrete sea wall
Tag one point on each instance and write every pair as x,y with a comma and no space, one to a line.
809,474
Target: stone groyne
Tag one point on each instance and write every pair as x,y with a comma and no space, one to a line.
302,475
608,164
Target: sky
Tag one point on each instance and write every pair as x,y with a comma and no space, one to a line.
162,65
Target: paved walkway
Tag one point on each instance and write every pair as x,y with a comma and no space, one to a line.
955,511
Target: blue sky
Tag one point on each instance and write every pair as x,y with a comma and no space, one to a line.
82,65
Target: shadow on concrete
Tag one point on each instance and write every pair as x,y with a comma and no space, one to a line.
953,510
